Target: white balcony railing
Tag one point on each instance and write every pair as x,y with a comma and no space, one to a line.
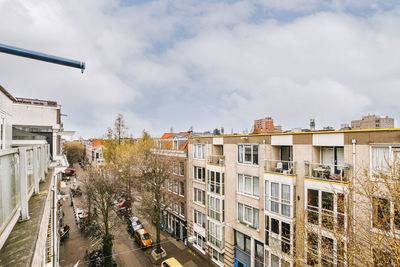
216,160
280,166
20,172
328,172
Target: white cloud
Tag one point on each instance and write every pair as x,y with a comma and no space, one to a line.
206,64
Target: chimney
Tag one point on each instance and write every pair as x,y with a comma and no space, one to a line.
312,124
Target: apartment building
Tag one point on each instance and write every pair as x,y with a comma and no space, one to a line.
30,165
373,122
174,146
250,195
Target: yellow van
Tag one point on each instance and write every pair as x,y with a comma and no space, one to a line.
171,262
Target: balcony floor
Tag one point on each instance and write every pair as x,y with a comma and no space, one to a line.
20,245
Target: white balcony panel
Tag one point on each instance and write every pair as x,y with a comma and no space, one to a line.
282,140
290,180
218,141
334,139
200,230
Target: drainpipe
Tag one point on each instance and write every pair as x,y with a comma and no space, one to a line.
353,141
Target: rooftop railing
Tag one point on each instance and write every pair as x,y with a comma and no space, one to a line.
280,166
216,160
328,172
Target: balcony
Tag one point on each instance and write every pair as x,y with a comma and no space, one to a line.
280,167
218,160
328,172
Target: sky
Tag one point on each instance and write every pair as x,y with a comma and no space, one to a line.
206,64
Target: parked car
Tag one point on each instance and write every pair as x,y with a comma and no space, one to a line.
171,262
134,224
80,214
143,238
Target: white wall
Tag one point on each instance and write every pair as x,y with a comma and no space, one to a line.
36,115
5,114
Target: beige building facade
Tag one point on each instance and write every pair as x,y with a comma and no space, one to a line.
249,196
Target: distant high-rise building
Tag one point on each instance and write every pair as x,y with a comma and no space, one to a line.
373,122
266,125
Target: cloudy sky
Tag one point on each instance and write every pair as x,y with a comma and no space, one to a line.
206,63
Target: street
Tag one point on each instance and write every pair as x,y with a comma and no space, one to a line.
126,250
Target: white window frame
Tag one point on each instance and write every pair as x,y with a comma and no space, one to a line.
198,216
181,168
242,178
198,151
216,232
392,149
211,181
215,206
199,192
195,174
244,221
251,162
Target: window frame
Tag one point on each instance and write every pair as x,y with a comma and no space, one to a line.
241,179
241,156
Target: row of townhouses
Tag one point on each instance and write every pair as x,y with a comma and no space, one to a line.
237,199
30,167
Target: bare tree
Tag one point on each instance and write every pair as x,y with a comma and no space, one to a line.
120,129
101,189
156,171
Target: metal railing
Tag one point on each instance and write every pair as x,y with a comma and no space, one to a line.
280,166
20,173
216,160
328,172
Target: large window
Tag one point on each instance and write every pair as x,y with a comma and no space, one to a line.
248,185
199,196
199,174
200,241
182,209
218,257
199,218
382,158
382,211
258,254
278,235
182,189
242,242
215,234
248,154
326,209
175,187
215,208
198,151
181,168
280,198
248,215
324,251
215,182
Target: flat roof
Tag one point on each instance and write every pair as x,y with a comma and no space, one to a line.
298,133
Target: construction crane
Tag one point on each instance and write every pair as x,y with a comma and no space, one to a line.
41,56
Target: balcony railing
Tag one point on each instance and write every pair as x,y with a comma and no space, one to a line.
280,166
216,160
20,173
328,172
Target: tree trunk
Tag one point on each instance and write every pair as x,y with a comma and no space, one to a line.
158,238
107,250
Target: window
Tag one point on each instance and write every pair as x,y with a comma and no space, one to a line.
176,206
181,188
243,242
215,208
215,234
258,254
200,241
198,151
169,185
248,185
199,196
248,154
219,257
275,197
285,200
182,211
381,213
215,180
199,174
176,187
181,168
199,218
248,215
321,250
327,209
175,168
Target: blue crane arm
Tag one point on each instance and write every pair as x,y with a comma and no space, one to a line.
41,56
